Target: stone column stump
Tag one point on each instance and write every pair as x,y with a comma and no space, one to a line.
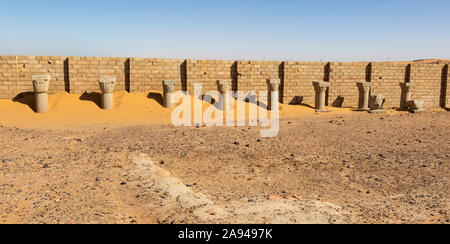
107,84
40,85
224,87
406,95
169,89
274,85
321,89
364,92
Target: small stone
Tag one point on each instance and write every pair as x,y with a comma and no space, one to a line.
7,161
162,162
45,166
98,179
123,183
274,198
211,212
236,143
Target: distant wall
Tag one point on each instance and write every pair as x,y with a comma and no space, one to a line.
80,74
148,73
84,73
298,79
208,72
16,72
445,96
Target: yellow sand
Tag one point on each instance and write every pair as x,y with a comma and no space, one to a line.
75,111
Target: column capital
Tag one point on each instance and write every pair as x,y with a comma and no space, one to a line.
41,83
406,87
107,83
274,84
169,85
321,86
364,86
224,85
376,102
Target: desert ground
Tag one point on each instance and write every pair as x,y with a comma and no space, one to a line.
79,164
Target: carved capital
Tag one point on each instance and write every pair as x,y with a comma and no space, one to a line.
274,84
364,87
224,86
376,102
415,104
41,83
321,86
107,84
169,86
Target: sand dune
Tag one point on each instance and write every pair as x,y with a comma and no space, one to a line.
70,111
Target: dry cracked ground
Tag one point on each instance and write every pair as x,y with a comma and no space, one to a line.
359,168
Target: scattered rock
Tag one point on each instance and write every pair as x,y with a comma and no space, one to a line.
46,166
376,102
236,143
274,197
7,161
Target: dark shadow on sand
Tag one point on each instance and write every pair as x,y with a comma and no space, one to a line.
158,97
94,97
26,98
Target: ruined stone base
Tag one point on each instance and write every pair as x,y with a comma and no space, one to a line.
323,110
362,110
417,111
377,111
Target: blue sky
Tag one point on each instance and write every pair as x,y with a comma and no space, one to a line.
327,30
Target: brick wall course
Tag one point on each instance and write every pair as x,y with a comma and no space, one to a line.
298,79
208,72
80,74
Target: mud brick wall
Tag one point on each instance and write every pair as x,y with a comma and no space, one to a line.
254,75
85,71
16,72
298,78
427,80
343,77
80,74
386,79
208,72
148,73
446,87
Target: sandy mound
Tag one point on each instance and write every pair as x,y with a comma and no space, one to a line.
69,111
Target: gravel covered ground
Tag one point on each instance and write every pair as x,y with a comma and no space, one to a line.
358,168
